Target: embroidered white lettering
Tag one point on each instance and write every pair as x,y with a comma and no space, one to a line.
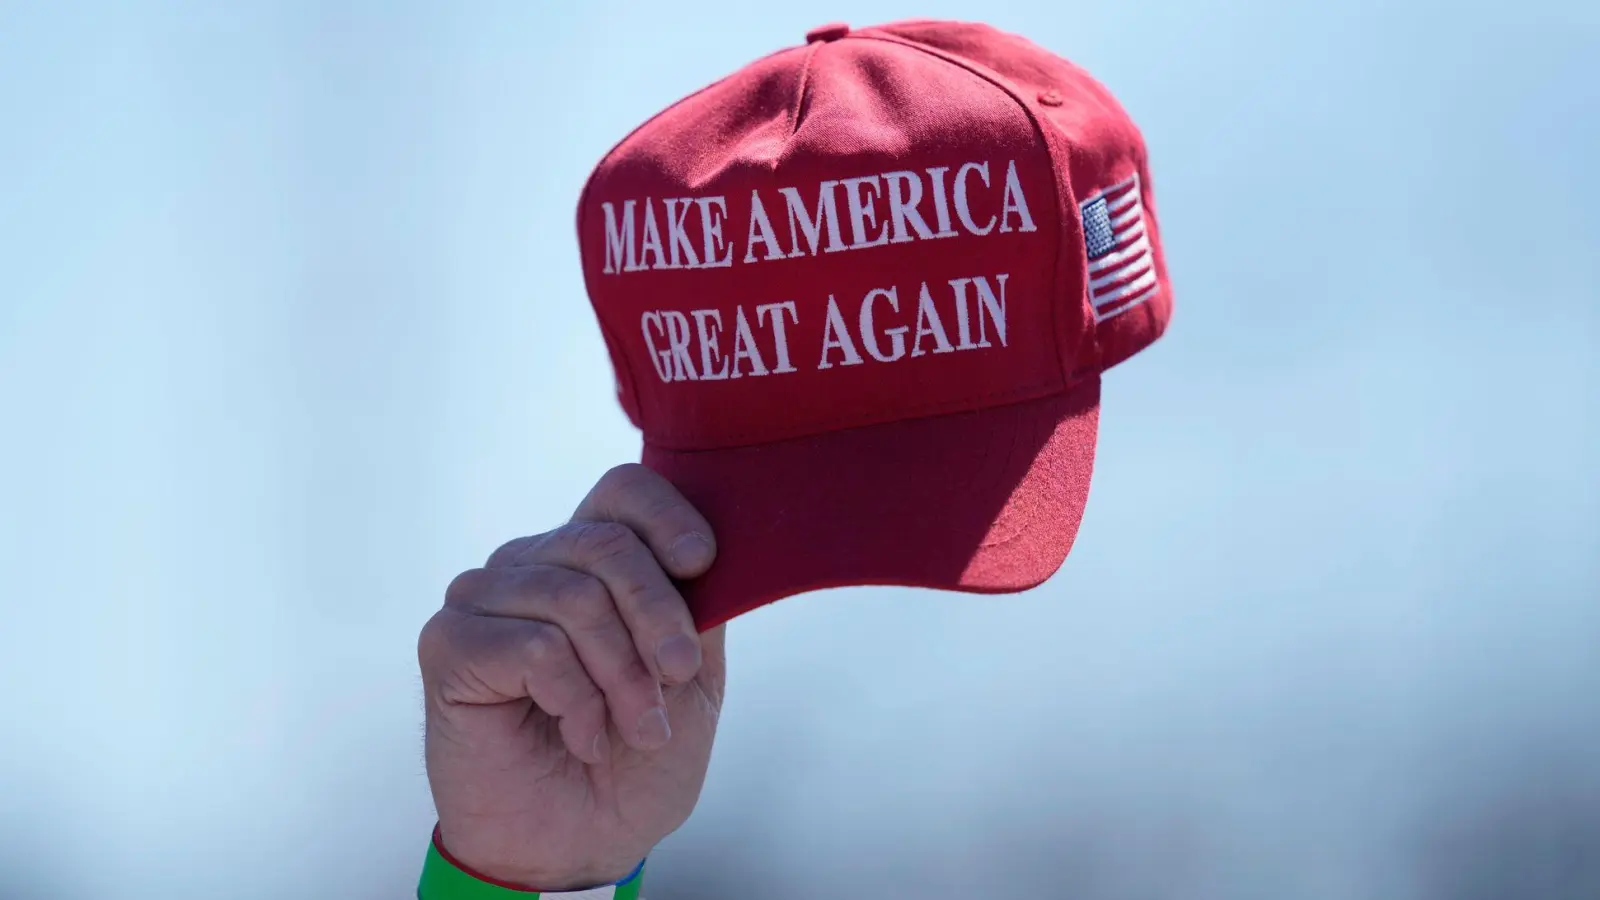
879,209
708,324
651,242
903,209
619,238
869,336
713,210
661,359
962,212
863,212
1015,203
803,223
760,223
678,345
929,324
941,201
836,334
678,236
780,338
744,346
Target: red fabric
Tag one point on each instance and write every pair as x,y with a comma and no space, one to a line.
941,437
986,502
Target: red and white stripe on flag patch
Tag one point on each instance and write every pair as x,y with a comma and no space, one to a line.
1122,270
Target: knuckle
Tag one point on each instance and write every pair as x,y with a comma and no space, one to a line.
604,540
507,553
632,676
654,608
638,595
576,691
433,643
582,599
666,509
627,477
586,695
544,647
467,588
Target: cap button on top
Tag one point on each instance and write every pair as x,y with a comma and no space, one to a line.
830,32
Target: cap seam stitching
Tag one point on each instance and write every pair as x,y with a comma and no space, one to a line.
994,78
583,205
800,94
928,411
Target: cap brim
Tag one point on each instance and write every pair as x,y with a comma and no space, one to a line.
983,502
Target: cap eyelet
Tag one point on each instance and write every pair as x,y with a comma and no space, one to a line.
1051,98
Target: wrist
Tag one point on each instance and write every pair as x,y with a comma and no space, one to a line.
446,876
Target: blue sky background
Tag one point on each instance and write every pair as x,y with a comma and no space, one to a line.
292,330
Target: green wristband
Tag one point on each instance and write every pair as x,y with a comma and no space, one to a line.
445,879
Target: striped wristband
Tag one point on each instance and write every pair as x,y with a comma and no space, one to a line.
443,878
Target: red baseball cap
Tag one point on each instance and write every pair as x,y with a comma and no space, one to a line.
858,296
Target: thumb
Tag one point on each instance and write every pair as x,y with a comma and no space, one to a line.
713,674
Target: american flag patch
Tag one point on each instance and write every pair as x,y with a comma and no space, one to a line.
1122,271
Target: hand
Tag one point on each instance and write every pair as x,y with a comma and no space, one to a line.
571,705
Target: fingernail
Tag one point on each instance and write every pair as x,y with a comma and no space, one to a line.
691,551
602,746
678,657
654,731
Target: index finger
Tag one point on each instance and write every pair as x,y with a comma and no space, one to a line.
673,529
